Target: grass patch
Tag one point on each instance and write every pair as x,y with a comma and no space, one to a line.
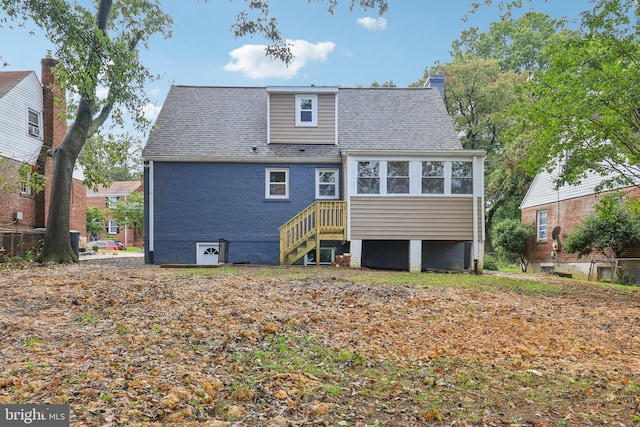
444,389
485,283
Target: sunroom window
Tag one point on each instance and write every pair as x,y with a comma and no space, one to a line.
369,177
398,177
461,178
432,177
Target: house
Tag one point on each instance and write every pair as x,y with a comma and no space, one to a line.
554,212
105,198
270,175
31,123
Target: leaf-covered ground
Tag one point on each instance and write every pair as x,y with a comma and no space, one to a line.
124,344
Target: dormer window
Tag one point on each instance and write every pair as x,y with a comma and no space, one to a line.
306,110
33,123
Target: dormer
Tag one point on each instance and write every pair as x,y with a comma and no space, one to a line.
302,115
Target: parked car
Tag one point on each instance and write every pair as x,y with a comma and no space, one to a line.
107,244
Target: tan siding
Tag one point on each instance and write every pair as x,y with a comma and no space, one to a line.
283,128
420,218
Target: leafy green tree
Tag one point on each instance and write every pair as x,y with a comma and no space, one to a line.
99,48
95,220
516,43
129,212
480,88
612,229
109,158
511,236
389,83
477,92
584,107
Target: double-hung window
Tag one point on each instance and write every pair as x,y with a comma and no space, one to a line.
111,201
277,183
112,227
541,223
25,184
327,184
368,177
33,122
432,177
306,110
397,177
461,178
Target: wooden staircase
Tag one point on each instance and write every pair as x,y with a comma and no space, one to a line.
304,232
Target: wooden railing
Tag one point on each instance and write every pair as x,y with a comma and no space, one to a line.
315,221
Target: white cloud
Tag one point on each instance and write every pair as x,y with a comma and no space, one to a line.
374,24
151,111
102,92
154,91
251,60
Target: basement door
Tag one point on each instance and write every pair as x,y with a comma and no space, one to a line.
207,253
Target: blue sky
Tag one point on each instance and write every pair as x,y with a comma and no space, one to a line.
346,49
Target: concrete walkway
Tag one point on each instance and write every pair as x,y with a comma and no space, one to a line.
90,255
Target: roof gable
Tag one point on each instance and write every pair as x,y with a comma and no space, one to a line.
117,188
225,124
542,190
10,79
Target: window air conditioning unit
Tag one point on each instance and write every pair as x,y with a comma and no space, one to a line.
34,130
17,216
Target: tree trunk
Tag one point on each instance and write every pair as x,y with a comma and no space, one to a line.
57,240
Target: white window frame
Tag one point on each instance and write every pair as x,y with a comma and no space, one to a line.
112,227
442,178
267,184
25,185
542,230
314,110
308,261
415,176
470,177
111,201
336,173
381,166
407,177
34,129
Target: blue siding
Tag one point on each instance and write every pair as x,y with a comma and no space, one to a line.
202,202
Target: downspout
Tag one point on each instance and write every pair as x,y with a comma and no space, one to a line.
151,213
126,228
476,254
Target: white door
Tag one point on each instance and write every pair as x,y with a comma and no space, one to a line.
207,253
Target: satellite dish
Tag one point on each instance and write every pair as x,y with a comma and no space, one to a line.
555,233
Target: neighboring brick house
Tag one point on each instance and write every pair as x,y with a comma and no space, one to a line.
270,175
106,198
554,213
31,122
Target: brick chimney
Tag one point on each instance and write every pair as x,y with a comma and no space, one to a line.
54,130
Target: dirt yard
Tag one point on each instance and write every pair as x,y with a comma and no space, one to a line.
125,344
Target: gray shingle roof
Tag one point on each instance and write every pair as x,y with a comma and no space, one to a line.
223,123
9,79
